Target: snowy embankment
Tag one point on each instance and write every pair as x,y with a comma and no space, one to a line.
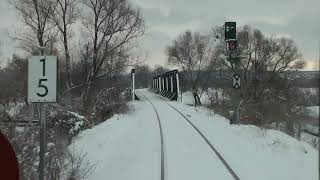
123,147
128,146
256,153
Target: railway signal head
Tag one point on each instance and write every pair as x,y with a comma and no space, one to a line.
230,32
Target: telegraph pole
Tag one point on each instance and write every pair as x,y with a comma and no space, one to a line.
231,39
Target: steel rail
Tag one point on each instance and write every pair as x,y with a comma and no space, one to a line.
208,142
161,138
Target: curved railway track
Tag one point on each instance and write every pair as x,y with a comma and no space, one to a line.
161,138
227,166
234,175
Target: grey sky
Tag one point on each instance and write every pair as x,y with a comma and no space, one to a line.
165,19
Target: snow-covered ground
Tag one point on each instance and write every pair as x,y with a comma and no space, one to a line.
256,153
187,156
128,147
312,111
123,147
187,97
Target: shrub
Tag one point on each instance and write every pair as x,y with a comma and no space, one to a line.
110,101
75,166
62,125
66,123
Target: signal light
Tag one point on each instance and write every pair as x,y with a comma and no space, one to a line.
230,32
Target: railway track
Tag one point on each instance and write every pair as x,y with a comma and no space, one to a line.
161,138
234,175
226,165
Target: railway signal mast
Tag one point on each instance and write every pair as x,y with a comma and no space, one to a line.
234,60
133,79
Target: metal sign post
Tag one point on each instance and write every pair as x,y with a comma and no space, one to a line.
236,93
42,142
178,86
133,95
42,88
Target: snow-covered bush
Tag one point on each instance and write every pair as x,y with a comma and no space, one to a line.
3,113
312,111
219,100
10,109
312,140
62,125
75,166
110,101
218,96
25,143
26,147
311,96
66,123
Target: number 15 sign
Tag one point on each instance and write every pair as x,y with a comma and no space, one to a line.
42,79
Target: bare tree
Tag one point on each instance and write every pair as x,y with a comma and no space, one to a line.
65,14
265,61
38,34
159,69
143,75
190,52
110,26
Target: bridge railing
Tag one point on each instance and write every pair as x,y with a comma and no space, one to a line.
167,84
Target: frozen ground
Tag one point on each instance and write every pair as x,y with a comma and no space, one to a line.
128,147
312,111
123,147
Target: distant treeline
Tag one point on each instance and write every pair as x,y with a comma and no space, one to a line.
223,78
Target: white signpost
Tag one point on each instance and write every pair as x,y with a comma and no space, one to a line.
42,88
42,79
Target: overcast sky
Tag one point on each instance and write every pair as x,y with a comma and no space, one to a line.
166,19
